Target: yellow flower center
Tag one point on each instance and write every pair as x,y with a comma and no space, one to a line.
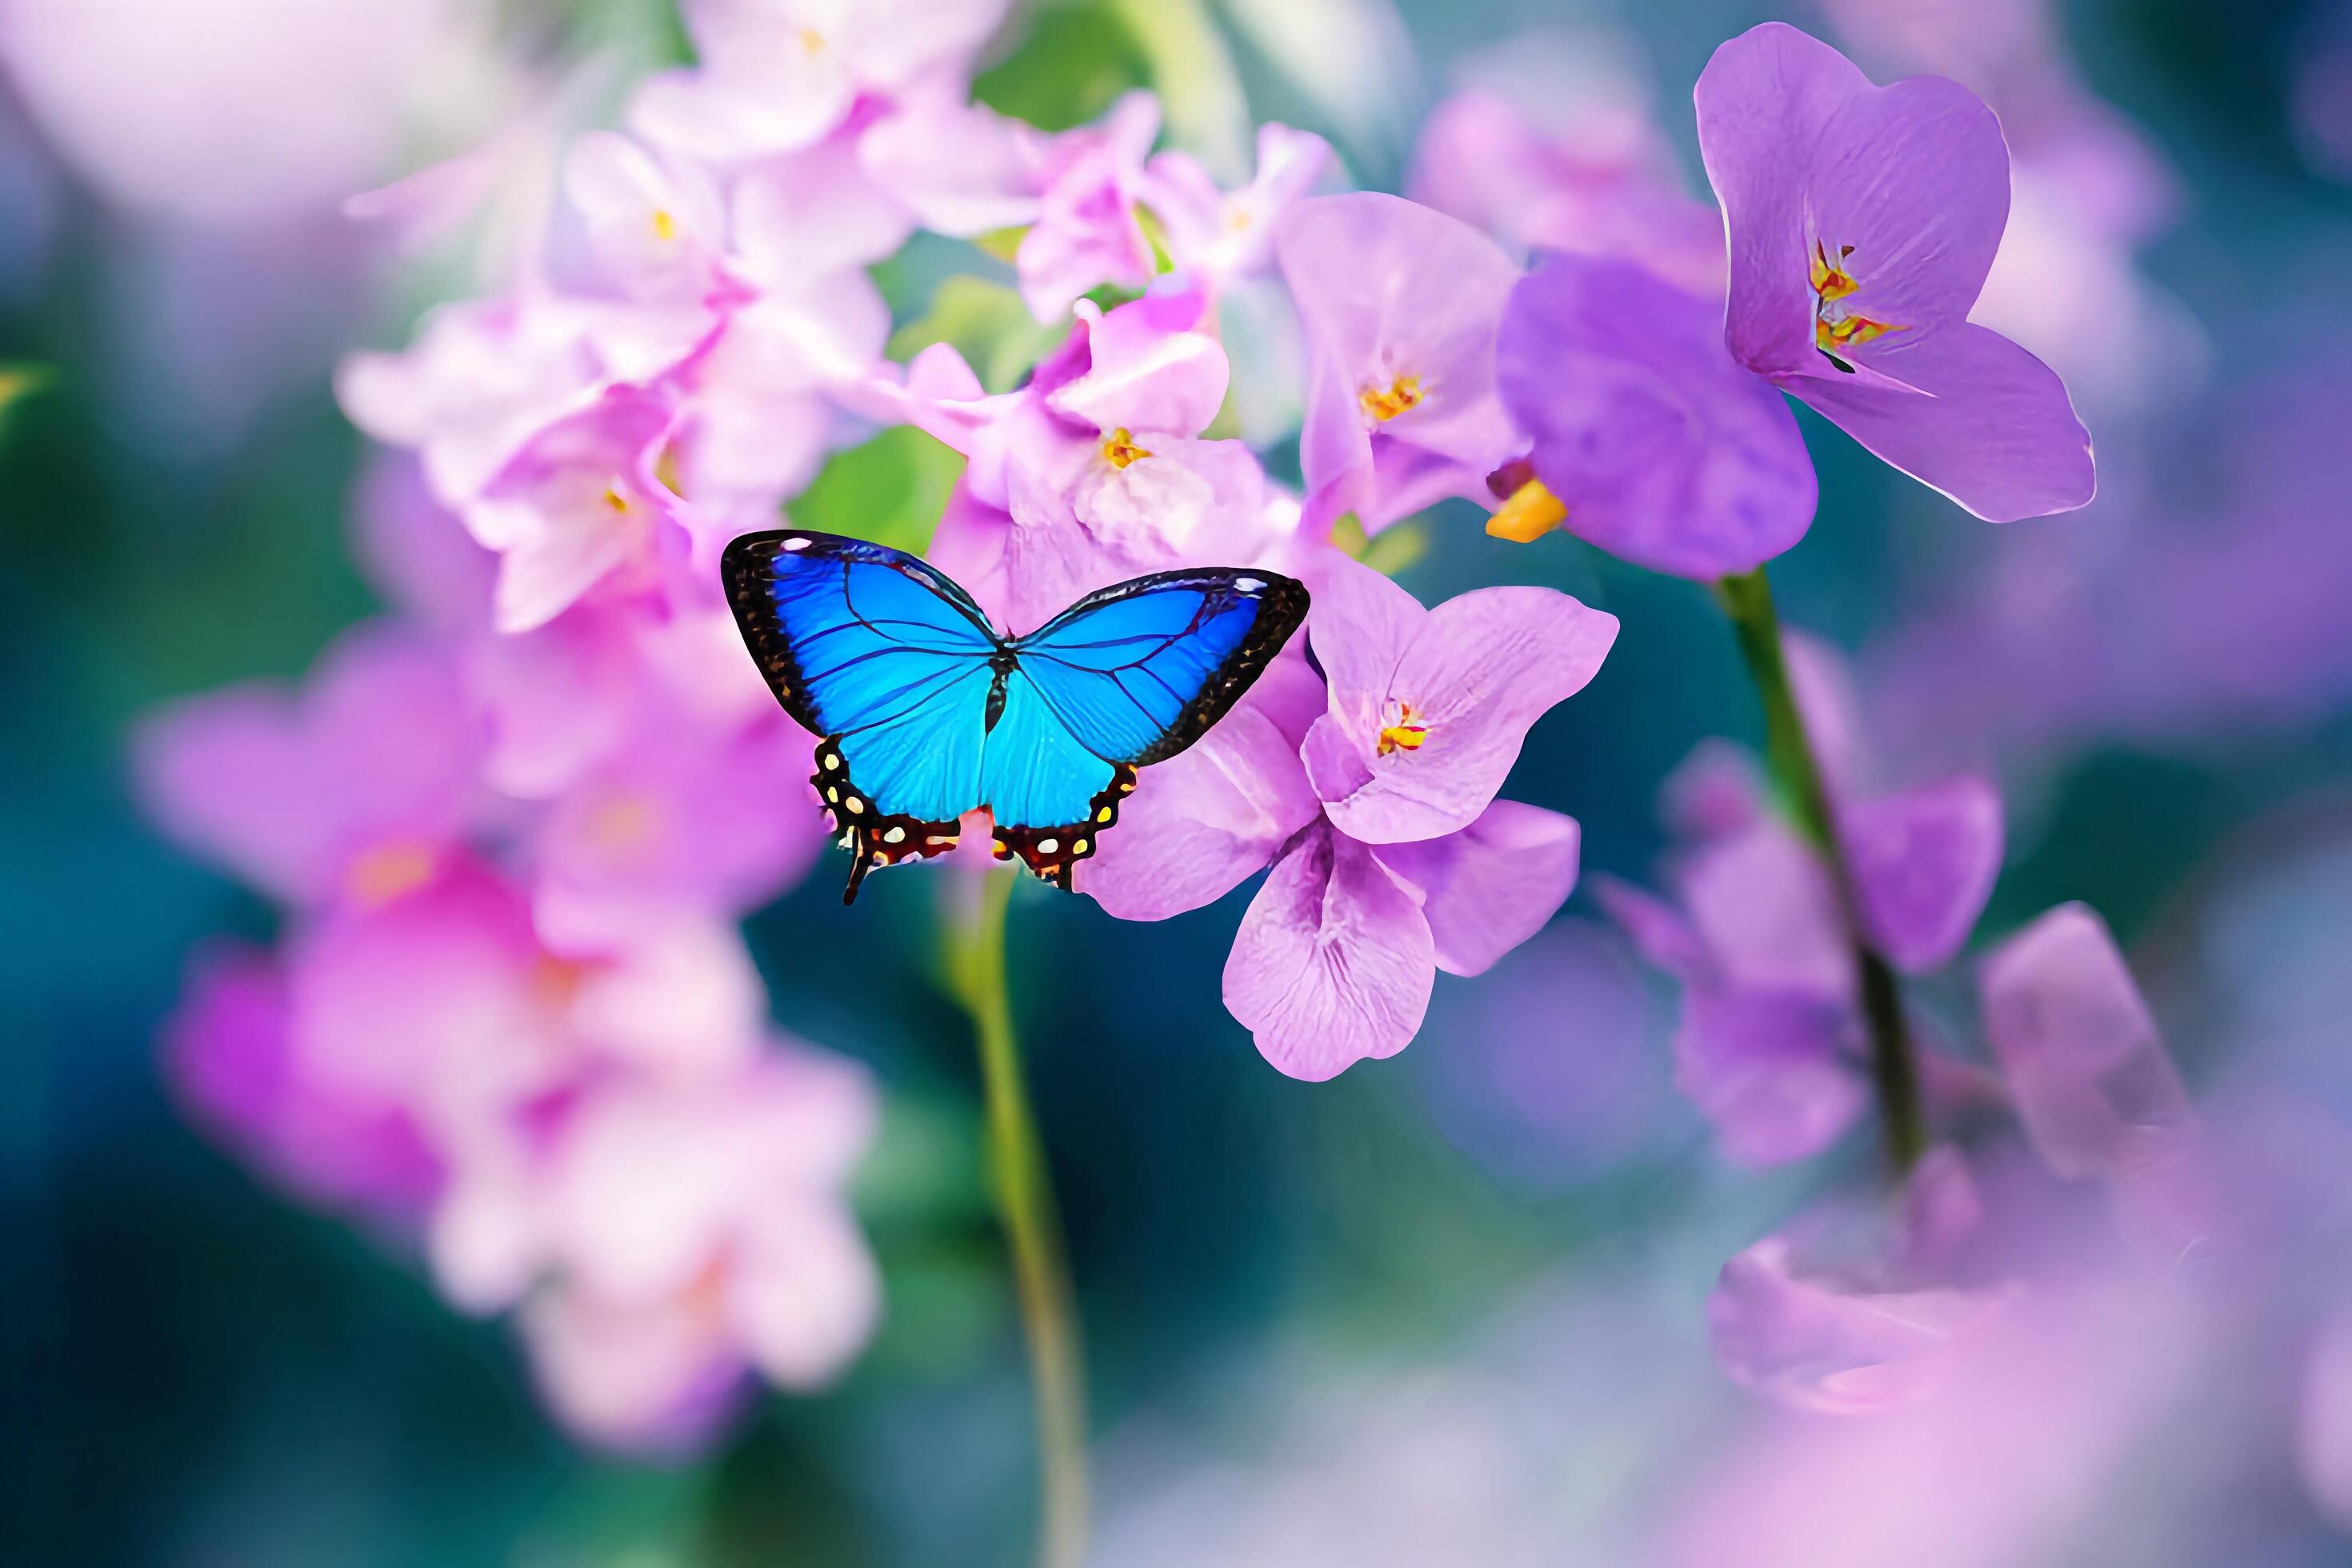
1404,735
614,496
1834,326
665,226
1384,404
1530,512
389,871
1118,448
811,41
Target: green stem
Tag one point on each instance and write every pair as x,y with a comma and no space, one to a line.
1797,777
1024,1194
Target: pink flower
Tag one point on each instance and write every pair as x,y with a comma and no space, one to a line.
354,791
779,75
1863,221
1336,957
655,225
1096,467
1852,1335
577,506
1401,306
1216,237
684,816
1663,450
667,1241
230,1053
967,171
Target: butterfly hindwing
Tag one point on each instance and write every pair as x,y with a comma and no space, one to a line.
925,712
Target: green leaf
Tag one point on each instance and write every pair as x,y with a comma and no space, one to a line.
1399,545
890,489
1075,62
989,326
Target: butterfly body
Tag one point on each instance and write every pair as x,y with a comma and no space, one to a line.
924,710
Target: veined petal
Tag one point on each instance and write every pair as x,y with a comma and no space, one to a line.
1762,102
1996,432
1333,963
1492,886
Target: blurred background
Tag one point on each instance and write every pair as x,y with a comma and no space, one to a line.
1446,1308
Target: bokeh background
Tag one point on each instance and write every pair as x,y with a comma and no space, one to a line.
1446,1308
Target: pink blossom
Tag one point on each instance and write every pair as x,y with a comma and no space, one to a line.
1863,221
1401,306
967,171
1096,466
779,75
1217,237
355,790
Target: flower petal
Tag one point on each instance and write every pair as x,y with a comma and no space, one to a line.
2093,1085
1924,862
1769,1071
1913,178
1480,671
1149,369
1492,886
1770,915
1996,431
1203,822
1762,102
1665,451
1359,625
1334,962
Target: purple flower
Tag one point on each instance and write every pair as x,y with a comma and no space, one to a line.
1401,306
1798,1319
354,790
1863,221
1336,957
1663,451
1427,708
1770,1044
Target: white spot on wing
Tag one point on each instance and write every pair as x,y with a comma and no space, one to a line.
1248,584
796,543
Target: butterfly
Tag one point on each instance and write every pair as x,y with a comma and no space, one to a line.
924,710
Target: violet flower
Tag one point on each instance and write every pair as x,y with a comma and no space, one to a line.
1660,448
1863,221
1769,1047
1401,306
1374,799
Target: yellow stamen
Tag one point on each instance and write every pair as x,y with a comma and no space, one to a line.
1384,405
1847,331
1531,512
1119,449
388,872
1404,735
811,42
614,498
665,226
1831,281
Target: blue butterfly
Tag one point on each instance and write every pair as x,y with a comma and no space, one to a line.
926,712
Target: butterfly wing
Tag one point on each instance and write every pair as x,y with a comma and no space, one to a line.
1126,677
889,663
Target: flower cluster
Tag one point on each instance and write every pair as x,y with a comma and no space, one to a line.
514,824
1852,1308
